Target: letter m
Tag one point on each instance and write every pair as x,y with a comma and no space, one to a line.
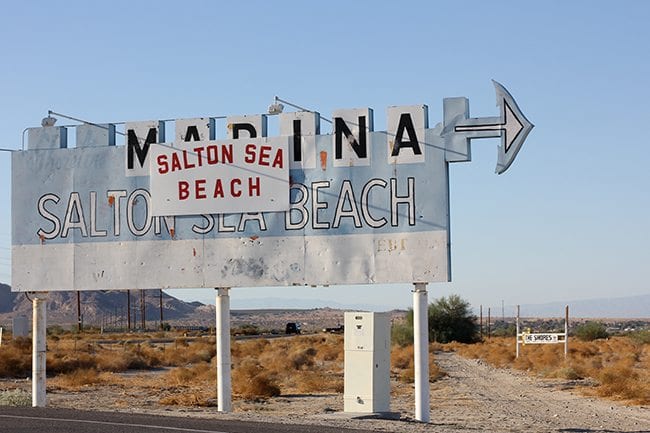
139,137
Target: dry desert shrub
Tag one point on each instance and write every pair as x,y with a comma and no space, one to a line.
78,378
243,349
66,362
190,399
317,381
203,373
200,350
401,362
15,358
619,365
251,381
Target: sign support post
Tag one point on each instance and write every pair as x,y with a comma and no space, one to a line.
224,388
517,332
39,398
566,331
421,351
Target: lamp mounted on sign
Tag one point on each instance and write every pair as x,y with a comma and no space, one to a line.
277,108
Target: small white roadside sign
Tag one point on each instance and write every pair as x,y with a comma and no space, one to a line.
542,338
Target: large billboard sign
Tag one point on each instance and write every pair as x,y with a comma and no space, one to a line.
303,208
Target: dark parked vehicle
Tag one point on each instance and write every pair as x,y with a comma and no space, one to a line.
292,328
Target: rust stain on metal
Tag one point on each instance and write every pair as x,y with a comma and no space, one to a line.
172,233
194,252
323,160
254,238
111,200
42,238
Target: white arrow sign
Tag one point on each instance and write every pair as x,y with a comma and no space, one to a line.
512,126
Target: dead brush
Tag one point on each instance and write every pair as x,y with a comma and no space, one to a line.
329,348
620,381
193,353
250,380
619,365
202,373
243,349
15,358
63,362
498,351
401,362
190,399
317,382
78,378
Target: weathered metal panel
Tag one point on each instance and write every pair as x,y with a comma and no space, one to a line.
95,135
51,137
246,126
198,129
302,127
80,223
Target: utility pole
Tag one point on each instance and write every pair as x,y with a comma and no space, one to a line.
79,326
161,311
488,325
128,310
143,319
481,321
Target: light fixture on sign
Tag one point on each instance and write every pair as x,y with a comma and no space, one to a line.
48,121
276,107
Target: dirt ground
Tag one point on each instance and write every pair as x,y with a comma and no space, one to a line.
472,397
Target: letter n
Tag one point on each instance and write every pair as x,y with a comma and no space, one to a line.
351,137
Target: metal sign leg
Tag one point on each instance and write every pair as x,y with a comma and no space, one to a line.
421,351
224,387
39,397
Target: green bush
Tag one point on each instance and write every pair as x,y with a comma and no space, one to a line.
590,331
402,333
642,337
450,319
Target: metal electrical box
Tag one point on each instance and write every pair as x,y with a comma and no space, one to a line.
367,363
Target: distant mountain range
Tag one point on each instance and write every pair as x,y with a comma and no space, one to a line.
637,307
109,307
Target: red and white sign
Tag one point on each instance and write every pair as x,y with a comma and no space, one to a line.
217,177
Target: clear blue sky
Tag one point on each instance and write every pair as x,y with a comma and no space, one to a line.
569,220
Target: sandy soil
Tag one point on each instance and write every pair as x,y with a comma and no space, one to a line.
472,397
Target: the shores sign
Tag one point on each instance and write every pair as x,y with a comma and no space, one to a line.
303,208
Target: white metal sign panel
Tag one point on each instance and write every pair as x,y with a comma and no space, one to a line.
547,338
216,177
361,207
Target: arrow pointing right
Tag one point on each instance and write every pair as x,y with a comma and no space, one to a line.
512,126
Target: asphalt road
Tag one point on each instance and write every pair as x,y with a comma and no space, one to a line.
27,419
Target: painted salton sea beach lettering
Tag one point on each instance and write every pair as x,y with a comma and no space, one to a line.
204,210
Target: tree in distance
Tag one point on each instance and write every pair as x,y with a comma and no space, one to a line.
590,331
450,319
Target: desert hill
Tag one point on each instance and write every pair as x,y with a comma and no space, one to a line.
108,309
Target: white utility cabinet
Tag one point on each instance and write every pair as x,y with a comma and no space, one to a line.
367,362
20,326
